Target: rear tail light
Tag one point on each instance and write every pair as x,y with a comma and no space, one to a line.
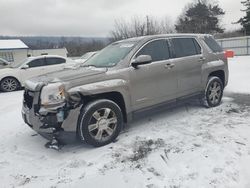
229,54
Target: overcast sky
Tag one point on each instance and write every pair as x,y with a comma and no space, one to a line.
91,17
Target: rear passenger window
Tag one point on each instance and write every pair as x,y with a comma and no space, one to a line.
54,61
185,47
197,46
212,44
157,49
37,63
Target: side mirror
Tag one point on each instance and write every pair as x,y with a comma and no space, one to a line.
25,66
141,60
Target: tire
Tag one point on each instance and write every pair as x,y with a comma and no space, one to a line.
100,122
213,92
9,84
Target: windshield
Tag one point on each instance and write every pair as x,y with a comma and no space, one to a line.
111,55
20,63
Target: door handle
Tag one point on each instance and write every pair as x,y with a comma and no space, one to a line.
202,59
169,66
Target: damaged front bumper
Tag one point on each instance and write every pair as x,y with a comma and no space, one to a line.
60,123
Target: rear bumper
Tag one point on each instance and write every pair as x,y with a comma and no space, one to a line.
47,125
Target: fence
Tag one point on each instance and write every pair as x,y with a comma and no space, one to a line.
240,45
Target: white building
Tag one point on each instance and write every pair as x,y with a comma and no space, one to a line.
13,51
16,51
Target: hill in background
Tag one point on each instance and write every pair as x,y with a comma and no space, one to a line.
76,46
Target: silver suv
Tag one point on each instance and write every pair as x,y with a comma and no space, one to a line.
94,101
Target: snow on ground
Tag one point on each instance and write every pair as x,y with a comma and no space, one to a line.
185,146
239,80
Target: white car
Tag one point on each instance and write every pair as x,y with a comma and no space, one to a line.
86,57
13,78
4,63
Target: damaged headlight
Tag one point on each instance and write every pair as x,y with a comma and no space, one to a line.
53,95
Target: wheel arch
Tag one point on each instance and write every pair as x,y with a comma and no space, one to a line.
220,74
114,96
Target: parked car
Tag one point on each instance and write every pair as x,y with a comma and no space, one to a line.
129,76
86,57
4,63
13,78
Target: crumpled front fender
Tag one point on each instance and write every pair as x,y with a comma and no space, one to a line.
99,87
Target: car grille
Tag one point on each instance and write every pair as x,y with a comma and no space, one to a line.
28,98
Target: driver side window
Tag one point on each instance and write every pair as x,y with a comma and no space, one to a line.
37,63
157,49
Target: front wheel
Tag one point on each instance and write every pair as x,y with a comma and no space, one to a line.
9,84
214,92
100,122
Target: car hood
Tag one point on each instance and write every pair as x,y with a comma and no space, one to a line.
69,75
6,71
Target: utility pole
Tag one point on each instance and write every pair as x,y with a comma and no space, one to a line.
148,25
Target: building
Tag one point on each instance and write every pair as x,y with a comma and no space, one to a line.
15,51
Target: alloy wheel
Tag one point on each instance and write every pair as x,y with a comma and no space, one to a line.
214,93
102,124
9,84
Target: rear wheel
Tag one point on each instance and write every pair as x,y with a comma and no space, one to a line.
214,92
100,122
9,84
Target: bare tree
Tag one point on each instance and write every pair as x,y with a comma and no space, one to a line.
140,27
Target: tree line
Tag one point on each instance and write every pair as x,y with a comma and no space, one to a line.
199,16
76,46
139,27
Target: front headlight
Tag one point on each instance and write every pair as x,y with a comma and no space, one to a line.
53,94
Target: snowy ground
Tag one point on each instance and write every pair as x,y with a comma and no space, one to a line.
187,146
